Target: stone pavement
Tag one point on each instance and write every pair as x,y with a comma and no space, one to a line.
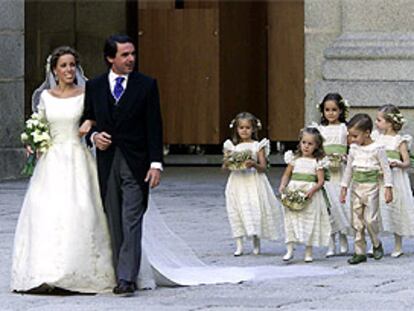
192,201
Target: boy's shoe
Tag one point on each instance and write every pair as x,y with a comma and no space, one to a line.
378,252
356,259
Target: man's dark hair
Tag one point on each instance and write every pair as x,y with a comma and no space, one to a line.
110,47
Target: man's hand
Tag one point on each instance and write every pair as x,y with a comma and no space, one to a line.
102,140
153,177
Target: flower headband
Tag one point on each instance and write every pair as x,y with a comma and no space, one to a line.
397,117
258,124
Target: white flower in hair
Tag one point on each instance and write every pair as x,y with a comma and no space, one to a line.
313,125
346,103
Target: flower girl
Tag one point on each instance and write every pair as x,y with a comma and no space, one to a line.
304,176
334,110
252,208
366,160
397,216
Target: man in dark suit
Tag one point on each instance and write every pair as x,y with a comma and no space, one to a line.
128,138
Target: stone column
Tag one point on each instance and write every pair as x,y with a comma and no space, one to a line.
322,26
372,62
11,87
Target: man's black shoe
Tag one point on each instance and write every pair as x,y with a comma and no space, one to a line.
124,288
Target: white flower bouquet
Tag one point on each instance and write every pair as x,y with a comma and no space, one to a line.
236,160
335,161
36,135
295,200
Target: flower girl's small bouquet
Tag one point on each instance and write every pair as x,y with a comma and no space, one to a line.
335,161
36,135
295,200
236,160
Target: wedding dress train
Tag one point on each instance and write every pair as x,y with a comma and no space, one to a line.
168,261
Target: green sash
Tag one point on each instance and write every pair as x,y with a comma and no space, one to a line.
393,154
331,149
364,177
396,155
304,177
327,174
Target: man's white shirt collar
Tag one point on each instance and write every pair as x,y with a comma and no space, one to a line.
112,76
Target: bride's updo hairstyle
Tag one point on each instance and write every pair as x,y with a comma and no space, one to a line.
62,50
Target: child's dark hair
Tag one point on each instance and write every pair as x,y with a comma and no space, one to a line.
340,102
255,122
361,121
318,153
393,115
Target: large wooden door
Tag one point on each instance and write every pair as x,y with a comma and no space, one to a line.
286,91
180,48
210,61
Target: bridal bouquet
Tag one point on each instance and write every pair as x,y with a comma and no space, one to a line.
36,135
236,160
295,200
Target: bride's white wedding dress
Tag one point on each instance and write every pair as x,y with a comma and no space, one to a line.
62,238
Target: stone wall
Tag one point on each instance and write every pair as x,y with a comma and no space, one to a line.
11,86
371,60
322,27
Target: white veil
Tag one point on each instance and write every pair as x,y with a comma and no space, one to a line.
50,82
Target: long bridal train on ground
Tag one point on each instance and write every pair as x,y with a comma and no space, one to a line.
168,261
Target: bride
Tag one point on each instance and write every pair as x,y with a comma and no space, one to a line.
61,237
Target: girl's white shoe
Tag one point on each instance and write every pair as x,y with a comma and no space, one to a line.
239,247
308,258
396,254
289,254
308,254
343,244
331,247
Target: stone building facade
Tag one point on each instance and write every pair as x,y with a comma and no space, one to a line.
363,49
11,86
